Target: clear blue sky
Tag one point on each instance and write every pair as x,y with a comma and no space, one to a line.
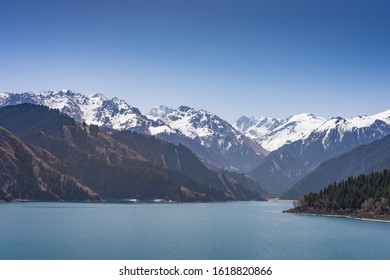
243,57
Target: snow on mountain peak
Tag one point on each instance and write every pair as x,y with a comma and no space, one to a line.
190,122
334,129
200,126
364,121
350,124
256,125
301,117
219,137
204,127
185,109
159,111
97,95
95,109
273,133
3,96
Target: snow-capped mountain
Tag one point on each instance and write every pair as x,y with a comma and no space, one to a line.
95,109
290,163
225,145
213,139
256,127
159,112
201,124
273,133
300,142
373,157
335,129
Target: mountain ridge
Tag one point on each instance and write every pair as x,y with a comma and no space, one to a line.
290,163
366,196
207,129
222,148
364,159
117,170
27,173
304,140
274,133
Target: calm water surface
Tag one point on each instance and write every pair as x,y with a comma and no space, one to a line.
241,230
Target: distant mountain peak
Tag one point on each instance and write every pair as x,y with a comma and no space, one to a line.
95,109
223,141
59,91
210,137
184,108
272,133
160,111
350,124
98,96
285,166
338,118
302,117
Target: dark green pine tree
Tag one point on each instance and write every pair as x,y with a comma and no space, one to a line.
370,193
26,182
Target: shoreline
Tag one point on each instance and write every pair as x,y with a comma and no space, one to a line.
127,201
375,218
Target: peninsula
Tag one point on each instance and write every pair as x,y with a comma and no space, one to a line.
361,197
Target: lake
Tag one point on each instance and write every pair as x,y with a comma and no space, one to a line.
237,230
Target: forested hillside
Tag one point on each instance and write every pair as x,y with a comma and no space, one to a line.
364,196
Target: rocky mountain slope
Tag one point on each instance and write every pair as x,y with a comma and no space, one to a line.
118,170
181,159
224,144
273,133
213,139
364,159
286,166
300,143
27,173
95,109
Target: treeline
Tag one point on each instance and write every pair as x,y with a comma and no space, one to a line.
369,193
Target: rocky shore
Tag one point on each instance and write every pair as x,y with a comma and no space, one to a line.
344,213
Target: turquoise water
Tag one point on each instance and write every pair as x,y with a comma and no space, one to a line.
241,230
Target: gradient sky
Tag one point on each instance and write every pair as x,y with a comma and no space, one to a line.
242,57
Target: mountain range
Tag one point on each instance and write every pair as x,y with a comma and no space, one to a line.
273,133
214,140
47,155
284,167
25,175
221,143
361,160
277,153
